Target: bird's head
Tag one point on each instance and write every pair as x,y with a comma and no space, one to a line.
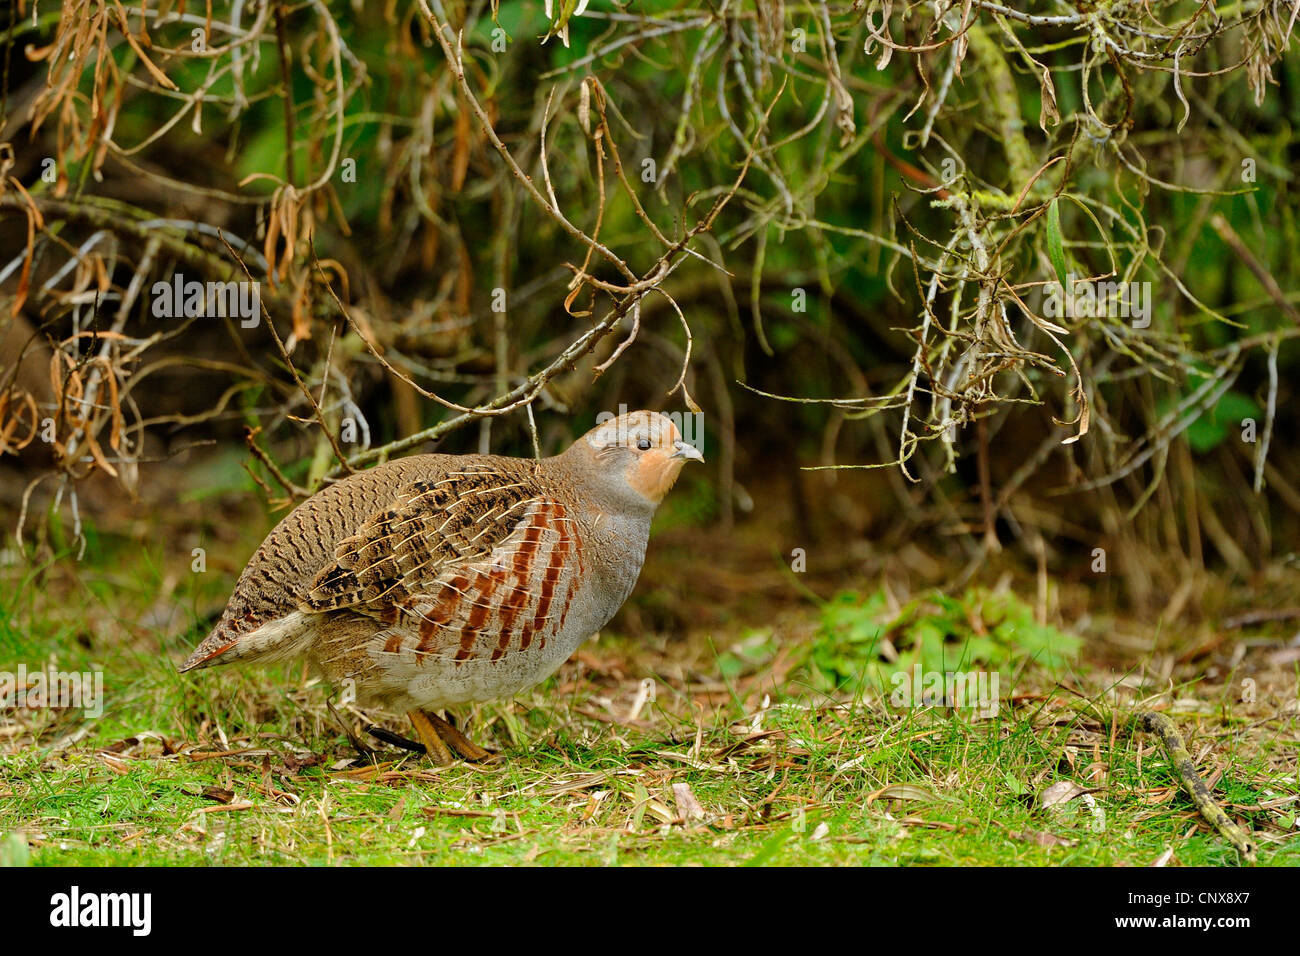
643,451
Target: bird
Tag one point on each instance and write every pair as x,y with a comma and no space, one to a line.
436,581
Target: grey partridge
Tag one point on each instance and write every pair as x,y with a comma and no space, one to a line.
435,581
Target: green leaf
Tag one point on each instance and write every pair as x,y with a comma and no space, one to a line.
1056,243
1208,431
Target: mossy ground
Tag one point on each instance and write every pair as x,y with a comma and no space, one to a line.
747,752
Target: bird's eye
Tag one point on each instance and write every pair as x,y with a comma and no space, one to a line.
643,444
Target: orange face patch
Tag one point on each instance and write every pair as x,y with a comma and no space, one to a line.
655,470
654,473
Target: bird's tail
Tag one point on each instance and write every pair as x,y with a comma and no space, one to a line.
275,640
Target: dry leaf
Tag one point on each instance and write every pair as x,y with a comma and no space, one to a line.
688,808
1061,792
902,791
1041,838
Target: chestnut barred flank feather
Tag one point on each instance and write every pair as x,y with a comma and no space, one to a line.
439,580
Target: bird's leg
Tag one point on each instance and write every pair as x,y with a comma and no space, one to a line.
429,736
397,740
456,740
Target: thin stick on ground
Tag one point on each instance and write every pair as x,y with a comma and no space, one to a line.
1167,731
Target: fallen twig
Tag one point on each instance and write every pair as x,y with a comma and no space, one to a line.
1167,731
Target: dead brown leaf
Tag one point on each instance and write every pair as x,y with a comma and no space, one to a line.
1041,838
688,807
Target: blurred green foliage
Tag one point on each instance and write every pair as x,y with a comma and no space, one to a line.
866,639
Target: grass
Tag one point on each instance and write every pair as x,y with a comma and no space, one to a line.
756,750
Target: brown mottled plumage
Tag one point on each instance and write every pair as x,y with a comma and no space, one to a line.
440,580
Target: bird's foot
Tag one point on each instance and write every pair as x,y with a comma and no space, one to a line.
458,741
430,735
397,740
436,735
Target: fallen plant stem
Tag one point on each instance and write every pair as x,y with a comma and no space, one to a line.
1176,747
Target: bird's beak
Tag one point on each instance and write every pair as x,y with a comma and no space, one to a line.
684,450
